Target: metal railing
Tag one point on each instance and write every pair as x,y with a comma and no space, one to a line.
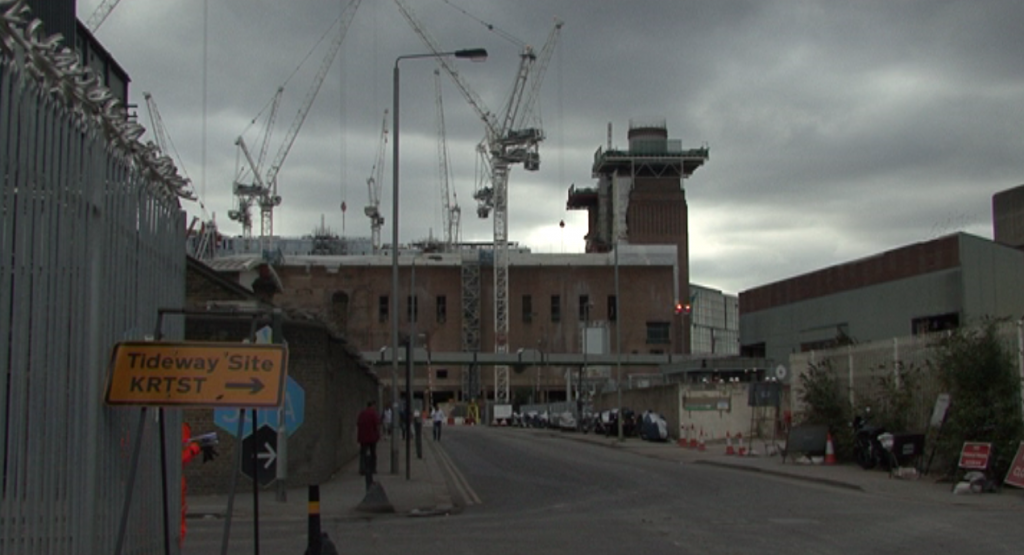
91,245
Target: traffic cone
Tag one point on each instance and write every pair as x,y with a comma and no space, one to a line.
741,451
693,437
728,444
830,450
700,443
682,435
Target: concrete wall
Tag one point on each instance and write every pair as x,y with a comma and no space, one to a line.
336,388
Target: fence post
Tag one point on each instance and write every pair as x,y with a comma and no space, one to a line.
849,364
896,361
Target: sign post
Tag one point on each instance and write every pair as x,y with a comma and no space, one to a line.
194,374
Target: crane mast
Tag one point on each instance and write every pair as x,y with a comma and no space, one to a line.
506,143
450,211
373,184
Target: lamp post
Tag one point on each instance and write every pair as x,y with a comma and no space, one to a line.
475,54
618,339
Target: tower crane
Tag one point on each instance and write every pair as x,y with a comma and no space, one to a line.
373,184
99,15
248,193
264,189
204,248
450,212
507,141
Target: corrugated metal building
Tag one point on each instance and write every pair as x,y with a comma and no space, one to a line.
924,287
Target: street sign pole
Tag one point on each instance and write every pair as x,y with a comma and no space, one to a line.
255,491
282,432
234,482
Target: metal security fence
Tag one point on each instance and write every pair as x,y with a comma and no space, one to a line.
860,367
91,245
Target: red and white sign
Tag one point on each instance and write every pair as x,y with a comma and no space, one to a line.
1015,476
974,455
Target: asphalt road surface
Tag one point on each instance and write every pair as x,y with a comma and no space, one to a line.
529,493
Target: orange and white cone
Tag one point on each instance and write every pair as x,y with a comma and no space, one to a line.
700,443
830,450
682,435
728,444
741,451
693,437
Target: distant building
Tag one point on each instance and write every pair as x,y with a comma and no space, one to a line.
640,200
1008,217
924,287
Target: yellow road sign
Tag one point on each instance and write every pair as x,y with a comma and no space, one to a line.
197,374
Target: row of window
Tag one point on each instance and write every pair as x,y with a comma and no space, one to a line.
441,306
657,332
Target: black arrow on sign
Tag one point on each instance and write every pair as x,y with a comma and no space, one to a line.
254,385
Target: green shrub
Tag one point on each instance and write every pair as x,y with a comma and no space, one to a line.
820,393
978,372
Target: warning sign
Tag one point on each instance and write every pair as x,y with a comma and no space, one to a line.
974,455
1015,476
197,374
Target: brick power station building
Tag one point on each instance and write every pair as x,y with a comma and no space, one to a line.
559,304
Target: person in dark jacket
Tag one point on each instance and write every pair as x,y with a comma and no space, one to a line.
368,434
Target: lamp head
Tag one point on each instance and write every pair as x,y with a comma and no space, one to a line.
474,54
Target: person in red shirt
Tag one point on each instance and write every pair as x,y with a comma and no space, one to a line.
368,434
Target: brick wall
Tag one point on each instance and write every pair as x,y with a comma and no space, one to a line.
336,388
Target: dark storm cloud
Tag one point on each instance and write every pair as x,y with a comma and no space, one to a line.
837,130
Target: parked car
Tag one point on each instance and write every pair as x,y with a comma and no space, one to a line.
653,427
566,421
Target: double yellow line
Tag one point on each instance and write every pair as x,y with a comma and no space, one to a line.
462,486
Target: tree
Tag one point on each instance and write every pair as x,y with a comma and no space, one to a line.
977,370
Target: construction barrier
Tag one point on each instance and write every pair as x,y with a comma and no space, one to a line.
728,444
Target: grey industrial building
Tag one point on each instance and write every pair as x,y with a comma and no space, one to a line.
924,287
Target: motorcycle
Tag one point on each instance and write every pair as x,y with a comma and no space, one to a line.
868,450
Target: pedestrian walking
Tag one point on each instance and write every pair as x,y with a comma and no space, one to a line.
437,415
368,434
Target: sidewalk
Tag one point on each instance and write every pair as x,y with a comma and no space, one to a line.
848,476
344,496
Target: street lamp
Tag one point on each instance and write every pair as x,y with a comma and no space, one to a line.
477,55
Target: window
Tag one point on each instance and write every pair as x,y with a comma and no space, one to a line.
442,374
584,315
412,308
930,324
442,309
657,333
527,309
612,309
556,308
382,309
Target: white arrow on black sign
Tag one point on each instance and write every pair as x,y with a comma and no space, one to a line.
270,455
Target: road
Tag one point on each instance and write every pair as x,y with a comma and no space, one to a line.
545,493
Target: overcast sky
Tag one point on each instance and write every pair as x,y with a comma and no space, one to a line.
836,130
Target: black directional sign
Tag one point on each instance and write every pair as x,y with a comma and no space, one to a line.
263,444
